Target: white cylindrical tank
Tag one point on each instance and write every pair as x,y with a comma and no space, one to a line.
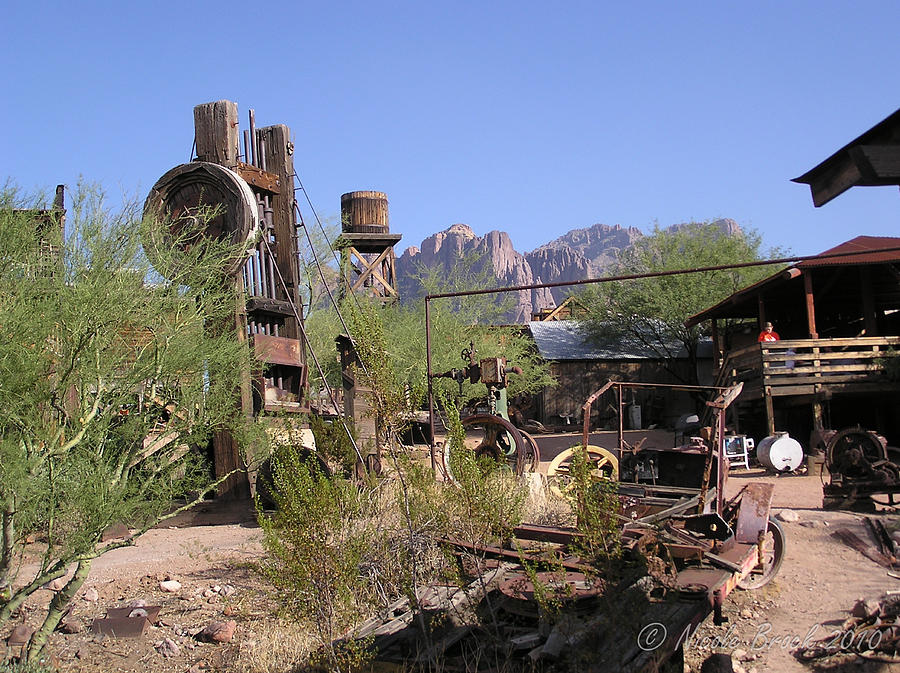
780,452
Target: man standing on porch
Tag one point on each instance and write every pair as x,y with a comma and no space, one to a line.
768,334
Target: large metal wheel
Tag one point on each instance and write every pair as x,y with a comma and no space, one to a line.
604,466
853,452
773,555
500,440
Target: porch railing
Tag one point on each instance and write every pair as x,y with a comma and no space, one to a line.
804,366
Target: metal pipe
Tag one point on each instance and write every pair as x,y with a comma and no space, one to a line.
653,274
430,387
255,161
247,158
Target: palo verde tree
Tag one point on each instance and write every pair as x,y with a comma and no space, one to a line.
651,312
111,381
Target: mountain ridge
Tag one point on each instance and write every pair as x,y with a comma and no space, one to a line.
576,255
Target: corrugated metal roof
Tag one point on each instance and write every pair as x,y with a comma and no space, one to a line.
569,340
861,244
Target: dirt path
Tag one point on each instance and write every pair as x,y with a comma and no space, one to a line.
819,582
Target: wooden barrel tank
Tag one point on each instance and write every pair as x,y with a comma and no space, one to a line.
364,213
200,199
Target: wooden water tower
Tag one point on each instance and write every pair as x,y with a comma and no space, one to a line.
367,246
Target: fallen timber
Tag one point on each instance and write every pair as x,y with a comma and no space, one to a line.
534,599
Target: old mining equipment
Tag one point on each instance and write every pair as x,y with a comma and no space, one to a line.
498,437
250,204
860,467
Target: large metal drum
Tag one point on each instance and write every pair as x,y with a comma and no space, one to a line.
780,453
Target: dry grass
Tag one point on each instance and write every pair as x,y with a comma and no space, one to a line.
272,645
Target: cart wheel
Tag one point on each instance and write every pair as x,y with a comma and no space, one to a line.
500,440
604,466
773,555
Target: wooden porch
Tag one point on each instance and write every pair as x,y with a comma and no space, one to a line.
814,369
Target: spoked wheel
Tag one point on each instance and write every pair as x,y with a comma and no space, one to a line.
500,440
604,466
532,453
773,554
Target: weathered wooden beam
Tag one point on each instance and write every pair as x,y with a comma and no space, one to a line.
810,305
216,133
278,157
257,177
216,136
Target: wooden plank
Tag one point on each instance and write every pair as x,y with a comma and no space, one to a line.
216,132
257,177
269,306
834,183
877,164
278,350
850,539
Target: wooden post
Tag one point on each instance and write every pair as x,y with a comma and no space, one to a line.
717,350
810,305
870,320
279,160
216,136
216,133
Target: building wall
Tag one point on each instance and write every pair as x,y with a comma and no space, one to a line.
578,379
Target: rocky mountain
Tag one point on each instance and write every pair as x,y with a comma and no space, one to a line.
579,254
443,249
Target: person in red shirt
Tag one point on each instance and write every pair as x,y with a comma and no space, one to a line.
768,334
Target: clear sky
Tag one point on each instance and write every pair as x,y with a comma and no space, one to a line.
533,118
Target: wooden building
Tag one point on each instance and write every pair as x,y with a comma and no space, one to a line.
838,318
582,365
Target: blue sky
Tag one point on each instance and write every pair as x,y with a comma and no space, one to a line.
526,117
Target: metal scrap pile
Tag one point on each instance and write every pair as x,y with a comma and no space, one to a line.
539,602
872,632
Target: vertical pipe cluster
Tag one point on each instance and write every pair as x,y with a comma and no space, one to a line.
259,271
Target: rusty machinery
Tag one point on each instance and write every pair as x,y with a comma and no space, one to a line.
499,438
250,204
861,466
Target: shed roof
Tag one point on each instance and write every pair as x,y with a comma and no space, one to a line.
569,340
859,251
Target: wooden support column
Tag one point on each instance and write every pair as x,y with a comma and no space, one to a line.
216,133
717,349
761,310
810,305
870,320
278,153
216,137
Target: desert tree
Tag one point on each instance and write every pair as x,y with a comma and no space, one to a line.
112,379
651,312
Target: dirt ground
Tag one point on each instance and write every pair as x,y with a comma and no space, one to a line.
208,554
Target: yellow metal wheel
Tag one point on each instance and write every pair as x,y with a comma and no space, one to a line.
604,466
